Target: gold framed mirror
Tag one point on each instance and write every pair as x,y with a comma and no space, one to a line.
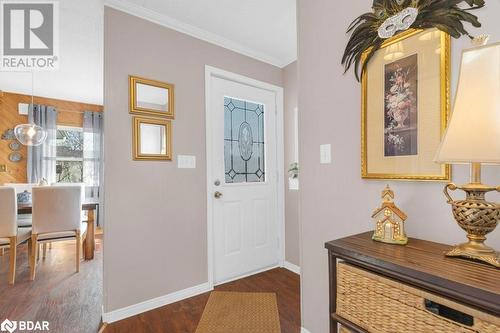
152,139
151,98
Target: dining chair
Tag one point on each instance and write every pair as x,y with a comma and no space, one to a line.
84,216
10,234
23,220
56,217
21,187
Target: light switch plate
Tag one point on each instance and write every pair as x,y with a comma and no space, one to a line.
293,183
325,154
23,108
186,162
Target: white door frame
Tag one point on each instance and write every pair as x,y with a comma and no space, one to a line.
211,72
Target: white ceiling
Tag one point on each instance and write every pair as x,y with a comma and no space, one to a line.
262,29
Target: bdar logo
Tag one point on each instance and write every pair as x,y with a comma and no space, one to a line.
8,326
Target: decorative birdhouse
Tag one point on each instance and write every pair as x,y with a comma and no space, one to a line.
389,221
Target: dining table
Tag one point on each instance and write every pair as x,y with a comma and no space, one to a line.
89,242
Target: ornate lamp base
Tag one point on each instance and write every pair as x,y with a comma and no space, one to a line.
476,250
477,217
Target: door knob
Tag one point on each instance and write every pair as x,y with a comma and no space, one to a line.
217,195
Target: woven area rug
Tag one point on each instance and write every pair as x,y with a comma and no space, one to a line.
232,312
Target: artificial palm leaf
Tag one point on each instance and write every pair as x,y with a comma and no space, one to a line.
445,15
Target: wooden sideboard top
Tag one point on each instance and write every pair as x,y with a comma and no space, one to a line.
423,264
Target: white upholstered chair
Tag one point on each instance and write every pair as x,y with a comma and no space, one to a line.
84,213
10,235
21,187
23,220
56,217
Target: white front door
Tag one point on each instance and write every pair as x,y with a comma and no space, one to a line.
243,187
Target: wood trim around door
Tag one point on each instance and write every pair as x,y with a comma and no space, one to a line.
211,72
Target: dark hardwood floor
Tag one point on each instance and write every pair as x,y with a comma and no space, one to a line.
183,316
70,301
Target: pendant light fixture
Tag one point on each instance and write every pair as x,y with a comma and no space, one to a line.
30,134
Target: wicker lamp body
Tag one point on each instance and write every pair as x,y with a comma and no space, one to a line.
477,217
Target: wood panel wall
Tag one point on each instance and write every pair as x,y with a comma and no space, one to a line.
69,114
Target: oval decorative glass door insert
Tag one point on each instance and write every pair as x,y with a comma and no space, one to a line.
244,145
245,141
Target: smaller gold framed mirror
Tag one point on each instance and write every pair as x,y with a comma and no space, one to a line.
152,139
151,98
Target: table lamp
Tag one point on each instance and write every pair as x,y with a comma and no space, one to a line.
473,137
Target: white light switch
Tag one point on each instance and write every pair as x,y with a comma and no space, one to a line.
186,162
325,154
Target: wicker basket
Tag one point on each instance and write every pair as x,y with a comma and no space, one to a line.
381,305
344,330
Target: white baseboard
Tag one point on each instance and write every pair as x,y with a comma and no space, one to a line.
247,274
132,310
303,330
291,267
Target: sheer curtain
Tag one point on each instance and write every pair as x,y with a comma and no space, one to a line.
92,153
42,159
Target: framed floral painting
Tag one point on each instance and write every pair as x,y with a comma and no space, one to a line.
405,105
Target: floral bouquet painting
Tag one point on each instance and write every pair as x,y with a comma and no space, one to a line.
400,111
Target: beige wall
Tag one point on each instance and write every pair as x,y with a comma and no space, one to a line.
155,213
334,200
290,84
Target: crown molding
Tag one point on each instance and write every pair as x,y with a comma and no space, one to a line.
193,31
289,62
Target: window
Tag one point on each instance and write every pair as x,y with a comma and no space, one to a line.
244,146
69,155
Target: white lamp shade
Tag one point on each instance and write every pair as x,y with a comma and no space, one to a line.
30,134
473,134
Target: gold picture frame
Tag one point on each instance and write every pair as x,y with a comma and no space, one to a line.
400,129
151,97
151,139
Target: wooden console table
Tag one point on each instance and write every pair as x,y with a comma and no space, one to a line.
420,268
